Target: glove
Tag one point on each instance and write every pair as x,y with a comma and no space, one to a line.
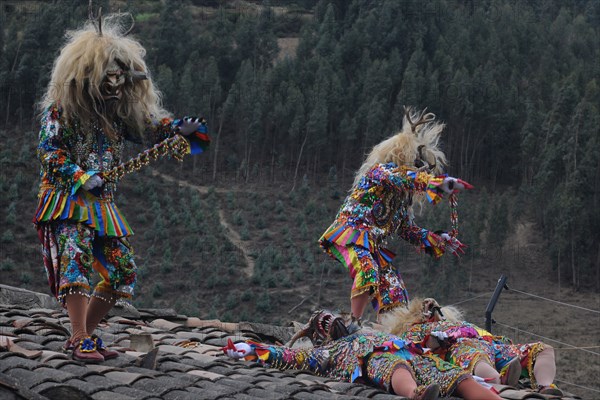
188,125
453,245
452,185
93,182
238,350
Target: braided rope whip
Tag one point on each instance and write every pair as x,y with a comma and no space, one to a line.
176,146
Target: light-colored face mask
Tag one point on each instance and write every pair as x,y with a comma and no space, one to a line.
111,88
425,159
432,311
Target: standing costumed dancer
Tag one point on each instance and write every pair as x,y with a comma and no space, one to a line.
375,358
380,204
99,95
477,351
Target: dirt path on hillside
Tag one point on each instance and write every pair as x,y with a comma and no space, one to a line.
232,234
237,241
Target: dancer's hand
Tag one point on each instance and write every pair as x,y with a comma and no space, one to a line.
188,125
237,350
93,182
439,335
436,339
453,185
453,245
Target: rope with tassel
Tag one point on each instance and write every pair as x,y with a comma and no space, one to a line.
453,201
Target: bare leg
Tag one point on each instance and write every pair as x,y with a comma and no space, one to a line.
403,384
544,369
470,390
97,310
77,308
358,304
486,371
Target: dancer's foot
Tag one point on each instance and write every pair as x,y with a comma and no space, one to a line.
512,373
103,350
431,392
86,351
551,390
68,346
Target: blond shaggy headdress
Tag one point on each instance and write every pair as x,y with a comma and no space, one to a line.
81,67
403,148
400,319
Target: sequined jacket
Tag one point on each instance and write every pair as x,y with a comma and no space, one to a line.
420,332
342,359
379,206
348,359
70,153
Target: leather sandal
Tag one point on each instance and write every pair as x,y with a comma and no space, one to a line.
86,351
68,346
551,390
431,392
511,373
103,350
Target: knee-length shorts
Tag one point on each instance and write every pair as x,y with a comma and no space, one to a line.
73,251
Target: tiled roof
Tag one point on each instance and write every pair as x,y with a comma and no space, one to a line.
163,356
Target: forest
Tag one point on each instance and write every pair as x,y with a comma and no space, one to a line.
298,91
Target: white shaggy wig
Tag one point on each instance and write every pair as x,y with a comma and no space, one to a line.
403,147
400,319
81,67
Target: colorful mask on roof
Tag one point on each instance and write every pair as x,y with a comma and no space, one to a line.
322,327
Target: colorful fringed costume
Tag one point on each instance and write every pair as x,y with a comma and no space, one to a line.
469,344
81,231
99,96
400,170
368,357
461,343
379,206
463,334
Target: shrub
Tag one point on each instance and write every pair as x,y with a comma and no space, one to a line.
263,304
279,208
7,264
238,219
230,198
8,236
157,291
260,223
13,192
25,278
246,295
244,233
232,301
11,214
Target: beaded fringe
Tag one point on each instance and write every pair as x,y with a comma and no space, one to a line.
107,295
